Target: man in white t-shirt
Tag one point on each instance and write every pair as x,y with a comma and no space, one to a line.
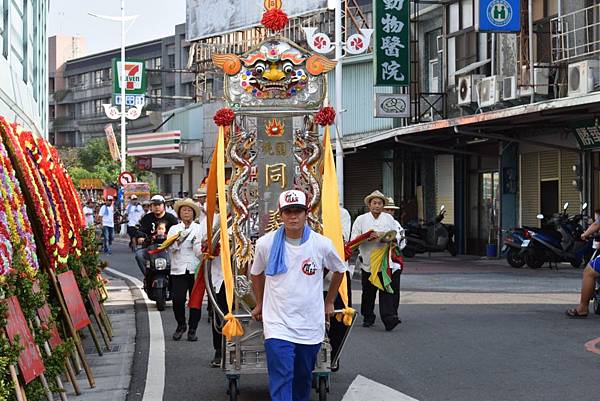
88,212
134,213
380,223
107,214
287,279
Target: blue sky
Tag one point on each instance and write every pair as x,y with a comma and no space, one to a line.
157,18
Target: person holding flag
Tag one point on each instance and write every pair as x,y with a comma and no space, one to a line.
287,280
373,259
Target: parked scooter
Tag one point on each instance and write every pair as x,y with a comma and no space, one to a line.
513,244
562,245
157,277
434,236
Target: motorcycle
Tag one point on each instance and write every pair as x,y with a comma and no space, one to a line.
434,236
513,245
563,244
156,279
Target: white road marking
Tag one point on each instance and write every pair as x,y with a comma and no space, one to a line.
363,389
155,371
480,298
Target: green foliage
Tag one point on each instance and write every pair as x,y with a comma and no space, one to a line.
94,161
20,283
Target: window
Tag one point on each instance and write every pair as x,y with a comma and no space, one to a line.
171,61
460,16
73,81
170,91
98,109
158,63
51,85
98,77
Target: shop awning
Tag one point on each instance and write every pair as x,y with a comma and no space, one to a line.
558,112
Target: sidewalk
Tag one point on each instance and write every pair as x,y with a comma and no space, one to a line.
112,371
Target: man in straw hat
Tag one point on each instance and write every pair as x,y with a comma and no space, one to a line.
378,223
287,279
183,266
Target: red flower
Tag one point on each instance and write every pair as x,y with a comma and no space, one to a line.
325,116
274,19
224,117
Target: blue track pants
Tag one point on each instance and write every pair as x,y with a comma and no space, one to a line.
290,367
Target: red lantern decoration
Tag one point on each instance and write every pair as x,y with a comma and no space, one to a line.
274,19
325,116
224,117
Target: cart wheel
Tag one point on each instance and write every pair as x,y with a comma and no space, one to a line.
322,389
233,390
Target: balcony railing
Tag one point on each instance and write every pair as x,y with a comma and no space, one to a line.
576,35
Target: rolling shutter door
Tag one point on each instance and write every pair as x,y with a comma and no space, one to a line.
549,165
363,174
568,192
530,189
444,185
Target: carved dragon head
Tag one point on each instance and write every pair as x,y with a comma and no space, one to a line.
277,71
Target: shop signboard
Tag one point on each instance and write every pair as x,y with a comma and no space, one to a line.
136,80
392,42
498,15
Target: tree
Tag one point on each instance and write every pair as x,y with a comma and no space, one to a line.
94,161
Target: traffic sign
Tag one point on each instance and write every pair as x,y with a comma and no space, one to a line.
125,178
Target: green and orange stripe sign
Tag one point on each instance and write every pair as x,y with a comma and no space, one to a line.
155,143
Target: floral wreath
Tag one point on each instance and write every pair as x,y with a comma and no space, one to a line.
32,183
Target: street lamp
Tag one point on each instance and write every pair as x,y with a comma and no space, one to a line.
112,112
357,43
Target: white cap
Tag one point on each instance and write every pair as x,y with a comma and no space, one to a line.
109,197
157,199
134,196
292,198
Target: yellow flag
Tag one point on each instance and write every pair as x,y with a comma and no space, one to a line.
332,224
232,327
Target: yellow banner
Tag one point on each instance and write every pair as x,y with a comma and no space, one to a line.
332,224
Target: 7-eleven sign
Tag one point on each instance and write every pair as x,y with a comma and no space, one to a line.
135,77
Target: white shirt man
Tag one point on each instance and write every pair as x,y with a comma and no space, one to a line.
365,222
287,278
134,211
88,212
107,213
380,223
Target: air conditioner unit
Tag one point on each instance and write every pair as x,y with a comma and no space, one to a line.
489,91
465,88
509,88
582,77
540,81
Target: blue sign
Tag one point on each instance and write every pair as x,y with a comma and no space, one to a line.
498,15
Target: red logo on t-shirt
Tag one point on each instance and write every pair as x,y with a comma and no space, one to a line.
308,267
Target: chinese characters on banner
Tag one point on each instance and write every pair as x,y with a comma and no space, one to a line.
275,166
30,360
392,42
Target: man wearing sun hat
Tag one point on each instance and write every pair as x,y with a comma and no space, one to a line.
379,223
287,279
